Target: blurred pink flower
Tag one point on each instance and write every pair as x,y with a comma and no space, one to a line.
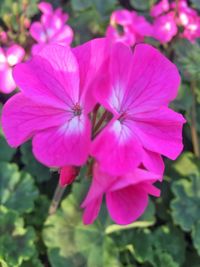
3,37
8,58
52,28
133,27
54,103
159,8
126,196
137,90
165,28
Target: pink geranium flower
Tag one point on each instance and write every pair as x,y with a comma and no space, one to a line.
160,8
165,28
126,196
133,30
54,103
137,90
8,58
51,29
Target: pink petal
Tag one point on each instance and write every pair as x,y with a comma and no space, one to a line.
45,7
153,162
38,33
160,131
22,118
7,84
137,176
90,60
51,77
91,211
154,80
117,148
64,36
127,204
3,59
68,144
15,54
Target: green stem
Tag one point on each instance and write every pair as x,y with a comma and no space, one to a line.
56,199
193,125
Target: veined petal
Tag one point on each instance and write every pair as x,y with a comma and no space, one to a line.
154,80
126,205
50,77
160,131
117,148
68,144
153,162
22,118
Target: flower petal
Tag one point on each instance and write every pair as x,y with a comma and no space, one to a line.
7,84
15,54
38,33
91,211
91,57
127,204
153,162
68,144
160,131
22,118
154,80
117,148
51,77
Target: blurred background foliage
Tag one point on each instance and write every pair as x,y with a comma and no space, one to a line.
167,235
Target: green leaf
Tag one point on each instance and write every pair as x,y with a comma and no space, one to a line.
163,246
196,236
16,242
6,152
17,190
186,204
68,240
192,260
142,5
39,171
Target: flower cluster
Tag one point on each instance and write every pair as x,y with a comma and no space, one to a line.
169,19
52,28
105,106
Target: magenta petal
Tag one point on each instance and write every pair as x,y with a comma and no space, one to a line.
51,77
153,162
149,85
127,204
91,211
38,33
64,36
90,60
160,131
15,54
68,144
21,118
117,149
45,7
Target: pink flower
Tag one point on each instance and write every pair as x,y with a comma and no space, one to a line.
8,58
133,30
54,103
137,90
51,28
164,27
126,196
160,8
67,175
